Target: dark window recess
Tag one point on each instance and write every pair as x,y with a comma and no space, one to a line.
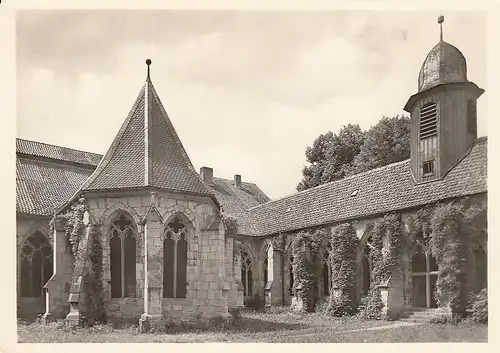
428,167
428,121
472,117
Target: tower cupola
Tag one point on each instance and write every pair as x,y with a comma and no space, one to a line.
443,112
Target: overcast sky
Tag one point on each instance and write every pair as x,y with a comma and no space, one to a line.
246,91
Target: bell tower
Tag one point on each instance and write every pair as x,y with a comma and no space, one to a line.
443,112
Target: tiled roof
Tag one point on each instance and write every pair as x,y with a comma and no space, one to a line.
235,201
377,191
44,150
43,186
146,152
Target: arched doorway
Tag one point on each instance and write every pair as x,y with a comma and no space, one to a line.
424,275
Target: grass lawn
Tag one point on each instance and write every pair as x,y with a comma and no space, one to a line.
276,326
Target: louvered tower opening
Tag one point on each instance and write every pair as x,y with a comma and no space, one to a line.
428,121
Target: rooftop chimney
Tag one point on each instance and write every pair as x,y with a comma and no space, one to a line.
237,180
207,174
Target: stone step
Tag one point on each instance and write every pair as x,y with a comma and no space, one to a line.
426,314
415,320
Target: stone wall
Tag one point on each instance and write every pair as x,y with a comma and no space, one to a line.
209,273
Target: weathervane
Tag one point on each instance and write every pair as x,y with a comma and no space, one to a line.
148,62
440,21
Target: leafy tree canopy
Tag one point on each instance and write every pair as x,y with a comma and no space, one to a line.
351,151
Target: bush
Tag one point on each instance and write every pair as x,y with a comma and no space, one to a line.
478,307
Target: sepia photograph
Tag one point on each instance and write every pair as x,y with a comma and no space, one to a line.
251,176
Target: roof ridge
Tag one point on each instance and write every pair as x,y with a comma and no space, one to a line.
57,146
332,182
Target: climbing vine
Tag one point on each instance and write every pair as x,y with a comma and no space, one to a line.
304,251
231,225
386,259
344,243
74,224
279,243
92,281
449,244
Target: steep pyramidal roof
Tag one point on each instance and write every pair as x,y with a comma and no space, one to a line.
146,152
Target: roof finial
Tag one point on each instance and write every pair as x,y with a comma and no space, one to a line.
148,62
440,21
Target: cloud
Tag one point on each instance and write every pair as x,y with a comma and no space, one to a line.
247,91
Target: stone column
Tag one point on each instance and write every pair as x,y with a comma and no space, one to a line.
57,288
268,282
277,287
153,277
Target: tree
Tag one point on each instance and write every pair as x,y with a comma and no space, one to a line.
331,156
335,156
385,143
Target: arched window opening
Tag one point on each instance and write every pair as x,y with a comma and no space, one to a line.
366,266
481,264
290,269
246,273
266,272
123,256
424,276
175,248
36,265
326,274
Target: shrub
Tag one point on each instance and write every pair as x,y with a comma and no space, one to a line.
478,307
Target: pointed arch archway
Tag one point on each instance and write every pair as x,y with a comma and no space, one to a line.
122,237
424,269
175,255
247,271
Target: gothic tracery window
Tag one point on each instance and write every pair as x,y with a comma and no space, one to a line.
175,247
246,272
36,265
123,257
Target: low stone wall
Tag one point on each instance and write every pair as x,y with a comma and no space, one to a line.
118,309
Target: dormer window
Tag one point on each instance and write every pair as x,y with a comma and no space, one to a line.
428,168
428,121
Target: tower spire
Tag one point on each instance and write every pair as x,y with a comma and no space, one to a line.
440,21
148,62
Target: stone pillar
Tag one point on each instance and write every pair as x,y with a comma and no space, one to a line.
276,290
392,296
57,287
77,293
153,277
268,282
237,277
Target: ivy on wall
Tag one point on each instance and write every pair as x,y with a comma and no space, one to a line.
453,232
92,281
74,226
386,259
344,243
304,251
231,225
